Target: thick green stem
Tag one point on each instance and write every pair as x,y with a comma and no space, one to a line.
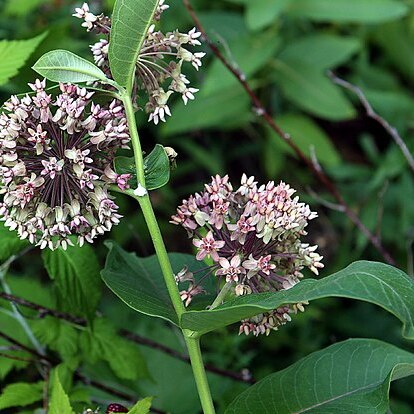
191,338
193,346
148,212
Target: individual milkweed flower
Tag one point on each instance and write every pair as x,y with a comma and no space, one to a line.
159,63
253,234
54,173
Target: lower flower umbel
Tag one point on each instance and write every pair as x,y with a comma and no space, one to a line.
56,159
253,236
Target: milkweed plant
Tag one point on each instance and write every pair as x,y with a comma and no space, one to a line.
61,173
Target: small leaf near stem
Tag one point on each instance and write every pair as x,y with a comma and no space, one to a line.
221,296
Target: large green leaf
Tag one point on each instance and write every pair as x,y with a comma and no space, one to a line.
130,22
261,13
14,54
65,66
373,282
139,282
350,377
76,275
21,394
349,11
227,109
322,50
310,89
307,135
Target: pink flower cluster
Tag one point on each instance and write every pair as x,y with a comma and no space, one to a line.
56,157
253,237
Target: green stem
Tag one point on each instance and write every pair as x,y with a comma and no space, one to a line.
220,297
191,338
193,346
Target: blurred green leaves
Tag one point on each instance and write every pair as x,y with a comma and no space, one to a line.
75,273
21,394
348,11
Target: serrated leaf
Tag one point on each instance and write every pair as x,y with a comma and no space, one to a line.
349,11
130,23
64,66
141,407
350,377
311,90
59,400
103,343
378,283
76,278
139,282
21,394
14,54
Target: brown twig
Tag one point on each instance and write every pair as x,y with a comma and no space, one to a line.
392,131
261,111
44,311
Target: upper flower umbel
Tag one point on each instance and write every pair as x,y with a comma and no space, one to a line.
159,64
253,236
55,165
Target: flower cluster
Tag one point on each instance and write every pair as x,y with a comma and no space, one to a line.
159,64
56,159
253,236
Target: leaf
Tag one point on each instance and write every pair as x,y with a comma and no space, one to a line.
156,168
103,343
139,282
65,66
14,54
306,135
248,53
130,22
322,51
312,91
21,394
373,282
76,276
348,11
234,111
141,407
22,7
350,377
59,401
10,243
262,13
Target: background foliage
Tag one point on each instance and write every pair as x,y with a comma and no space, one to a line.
285,49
